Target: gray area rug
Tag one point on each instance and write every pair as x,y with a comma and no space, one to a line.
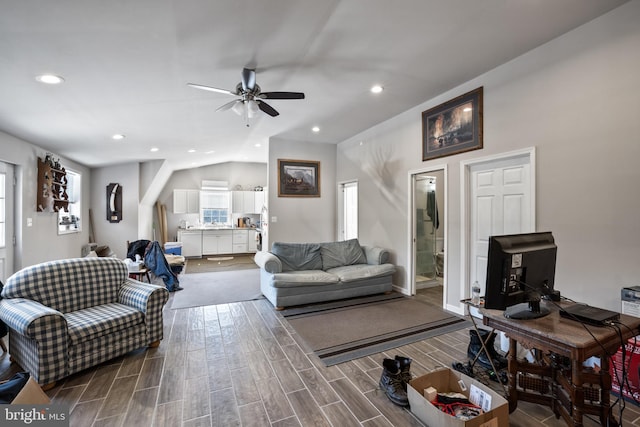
219,263
221,287
349,329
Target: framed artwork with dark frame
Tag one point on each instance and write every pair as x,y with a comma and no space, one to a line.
453,127
298,178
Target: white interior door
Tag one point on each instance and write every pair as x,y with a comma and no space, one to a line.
6,220
501,197
500,204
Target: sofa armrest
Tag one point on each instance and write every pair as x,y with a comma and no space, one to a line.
268,262
149,299
31,319
376,255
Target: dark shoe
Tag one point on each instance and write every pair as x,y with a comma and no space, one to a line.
500,377
465,369
405,370
475,347
391,382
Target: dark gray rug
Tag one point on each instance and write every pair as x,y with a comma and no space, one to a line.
345,330
221,287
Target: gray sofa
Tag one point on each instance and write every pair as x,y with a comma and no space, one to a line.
303,273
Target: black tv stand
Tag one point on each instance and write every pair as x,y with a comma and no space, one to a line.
526,311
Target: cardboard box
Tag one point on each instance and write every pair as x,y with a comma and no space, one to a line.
31,394
444,380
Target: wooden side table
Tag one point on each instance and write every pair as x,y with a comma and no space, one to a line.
140,275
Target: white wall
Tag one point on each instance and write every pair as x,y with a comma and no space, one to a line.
41,241
302,219
575,99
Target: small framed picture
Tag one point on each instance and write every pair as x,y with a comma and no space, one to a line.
298,178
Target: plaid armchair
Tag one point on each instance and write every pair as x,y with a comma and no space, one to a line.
68,315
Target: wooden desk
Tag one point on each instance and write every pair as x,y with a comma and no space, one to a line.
563,384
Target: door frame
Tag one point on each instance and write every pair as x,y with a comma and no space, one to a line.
465,203
411,221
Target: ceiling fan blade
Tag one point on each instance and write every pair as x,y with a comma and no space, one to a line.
211,89
248,79
267,108
228,105
282,95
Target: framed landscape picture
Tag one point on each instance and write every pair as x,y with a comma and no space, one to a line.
298,178
453,127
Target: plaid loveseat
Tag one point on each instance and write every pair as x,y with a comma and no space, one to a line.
68,315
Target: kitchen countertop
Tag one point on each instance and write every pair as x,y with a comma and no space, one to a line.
203,228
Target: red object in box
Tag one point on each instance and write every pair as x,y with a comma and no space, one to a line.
631,388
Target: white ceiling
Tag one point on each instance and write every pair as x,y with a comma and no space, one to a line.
127,62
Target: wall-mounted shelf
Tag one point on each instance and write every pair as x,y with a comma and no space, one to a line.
52,188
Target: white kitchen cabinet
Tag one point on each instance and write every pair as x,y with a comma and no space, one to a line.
186,201
217,242
247,202
240,241
191,242
252,244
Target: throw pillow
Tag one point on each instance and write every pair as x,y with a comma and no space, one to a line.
298,256
337,254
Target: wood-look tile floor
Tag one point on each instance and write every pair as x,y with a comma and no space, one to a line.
241,364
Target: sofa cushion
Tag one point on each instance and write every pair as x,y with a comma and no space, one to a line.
337,254
303,278
298,256
353,273
100,320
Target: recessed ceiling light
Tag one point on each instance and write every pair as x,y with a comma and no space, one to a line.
258,145
191,151
50,79
315,129
154,149
118,136
209,152
376,89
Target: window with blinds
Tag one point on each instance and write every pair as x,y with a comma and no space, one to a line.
215,207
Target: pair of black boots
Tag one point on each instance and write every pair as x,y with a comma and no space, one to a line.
395,376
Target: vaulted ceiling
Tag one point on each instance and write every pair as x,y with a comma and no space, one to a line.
126,65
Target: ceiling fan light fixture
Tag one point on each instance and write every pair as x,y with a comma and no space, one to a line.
253,108
238,108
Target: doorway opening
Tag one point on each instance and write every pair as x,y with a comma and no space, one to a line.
428,229
348,210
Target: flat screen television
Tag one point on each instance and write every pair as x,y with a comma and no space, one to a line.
520,270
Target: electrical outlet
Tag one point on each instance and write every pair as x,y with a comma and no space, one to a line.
274,219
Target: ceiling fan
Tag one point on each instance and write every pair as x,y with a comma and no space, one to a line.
251,98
